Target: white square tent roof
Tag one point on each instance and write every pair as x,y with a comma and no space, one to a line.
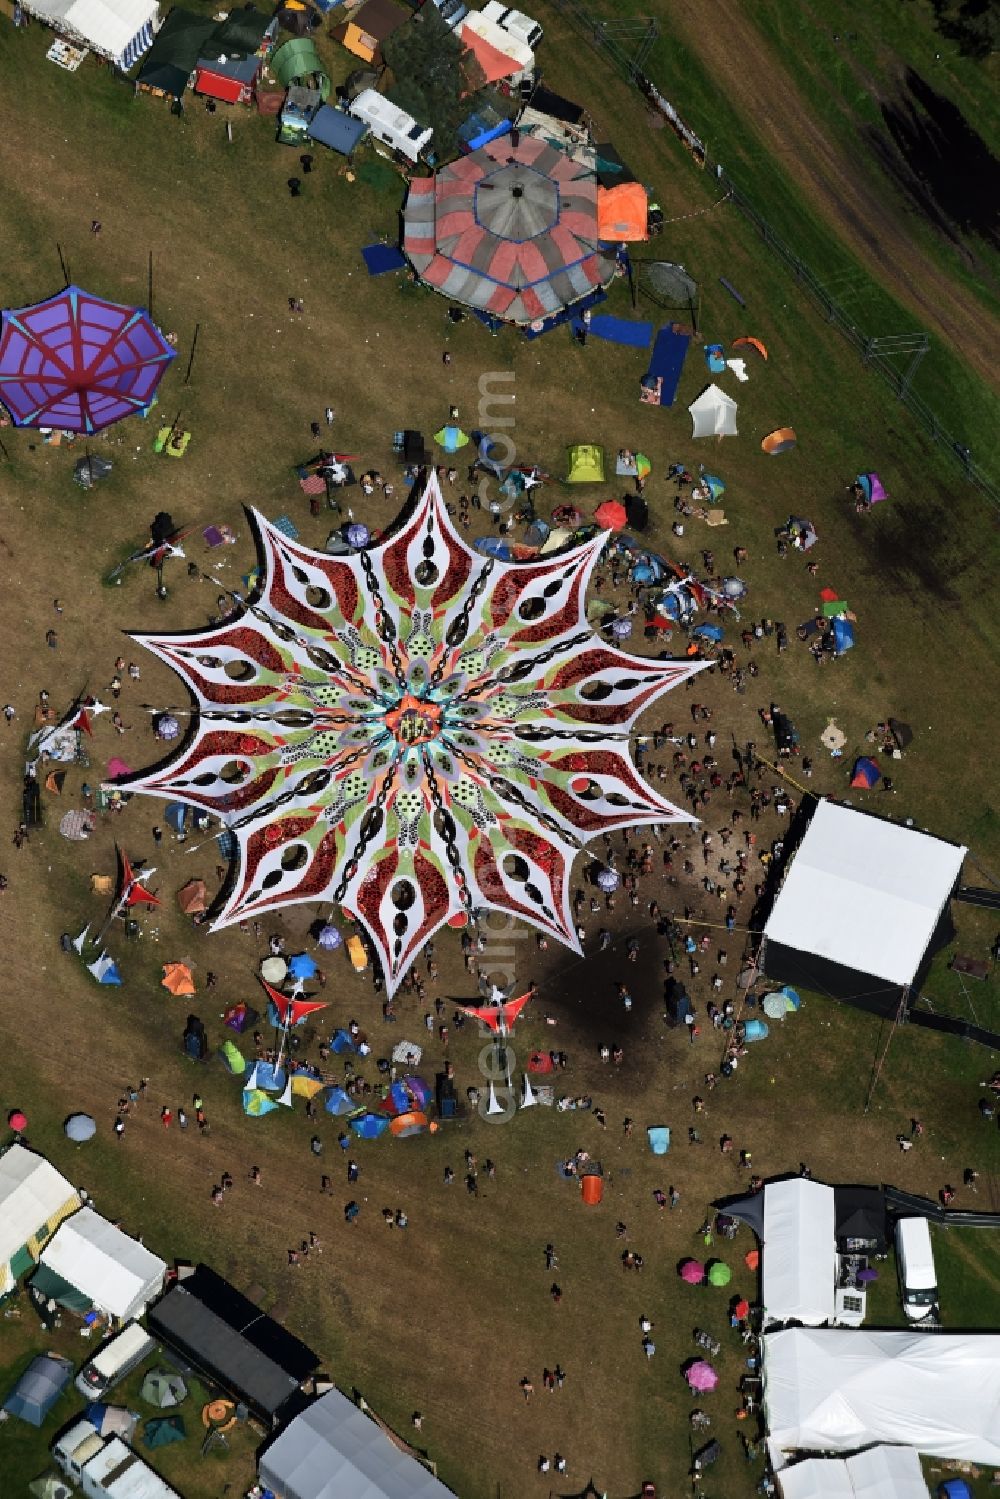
119,29
798,1252
117,1273
334,1451
31,1192
839,1389
877,1473
863,894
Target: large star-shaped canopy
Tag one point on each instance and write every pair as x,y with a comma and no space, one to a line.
413,732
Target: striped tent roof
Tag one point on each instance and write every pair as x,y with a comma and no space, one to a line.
510,229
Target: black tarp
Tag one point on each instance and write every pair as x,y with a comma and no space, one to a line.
859,1213
548,103
171,59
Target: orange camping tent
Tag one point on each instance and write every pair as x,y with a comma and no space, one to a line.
177,978
621,212
752,343
191,898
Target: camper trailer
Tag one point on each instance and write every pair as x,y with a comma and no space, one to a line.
521,27
106,1469
390,125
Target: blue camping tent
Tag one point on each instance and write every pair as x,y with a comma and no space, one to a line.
336,129
369,1126
342,1042
39,1387
270,1079
302,966
337,1101
843,636
175,815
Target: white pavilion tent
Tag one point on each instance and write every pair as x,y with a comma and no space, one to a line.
877,1473
121,30
798,1252
116,1273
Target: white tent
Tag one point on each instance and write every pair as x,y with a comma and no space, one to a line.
799,1252
33,1197
117,1273
334,1451
864,894
713,414
877,1473
121,30
838,1389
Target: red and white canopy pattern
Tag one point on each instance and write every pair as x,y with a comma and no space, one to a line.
510,229
414,732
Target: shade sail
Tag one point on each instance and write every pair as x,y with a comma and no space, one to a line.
510,229
78,362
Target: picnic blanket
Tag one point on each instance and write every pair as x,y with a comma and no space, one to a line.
617,330
667,360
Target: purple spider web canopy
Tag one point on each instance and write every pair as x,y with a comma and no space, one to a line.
412,733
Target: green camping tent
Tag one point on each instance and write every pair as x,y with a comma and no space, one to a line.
162,1387
297,61
239,35
585,463
233,1058
160,1431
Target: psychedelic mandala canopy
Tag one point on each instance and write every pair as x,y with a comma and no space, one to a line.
79,363
412,732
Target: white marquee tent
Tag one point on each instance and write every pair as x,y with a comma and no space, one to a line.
864,894
799,1252
115,1272
713,414
334,1451
33,1197
877,1473
121,30
836,1389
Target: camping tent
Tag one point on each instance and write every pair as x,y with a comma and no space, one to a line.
39,1387
171,59
160,1431
121,30
621,212
50,1486
163,1388
859,908
878,1473
336,129
332,1450
799,1267
838,1389
584,464
115,1272
369,26
177,978
34,1199
191,897
297,62
713,414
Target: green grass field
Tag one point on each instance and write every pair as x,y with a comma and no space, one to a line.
449,1317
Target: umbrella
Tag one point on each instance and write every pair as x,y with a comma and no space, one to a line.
451,438
79,363
418,1089
792,1000
719,1273
274,970
734,588
80,1127
566,515
163,1388
865,1277
612,515
701,1376
166,726
17,1120
621,629
357,535
901,732
608,880
775,1005
693,1271
329,938
752,1259
369,1126
741,1310
191,897
302,966
723,1222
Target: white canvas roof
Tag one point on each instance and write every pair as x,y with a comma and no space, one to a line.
864,893
799,1252
116,1272
31,1192
713,414
119,29
838,1389
878,1473
334,1451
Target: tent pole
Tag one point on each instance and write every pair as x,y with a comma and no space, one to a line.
194,345
149,294
62,263
897,1021
4,451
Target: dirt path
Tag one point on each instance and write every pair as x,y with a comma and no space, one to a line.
742,64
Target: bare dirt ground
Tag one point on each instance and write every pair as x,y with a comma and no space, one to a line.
763,90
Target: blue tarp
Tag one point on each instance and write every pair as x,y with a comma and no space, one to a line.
495,546
381,259
618,330
566,314
341,132
667,361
